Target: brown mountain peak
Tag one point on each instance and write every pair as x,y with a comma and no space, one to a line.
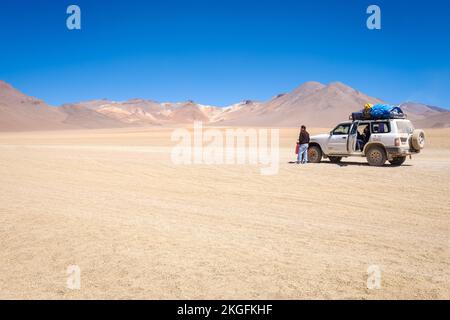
341,86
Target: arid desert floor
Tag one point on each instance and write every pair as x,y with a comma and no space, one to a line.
140,227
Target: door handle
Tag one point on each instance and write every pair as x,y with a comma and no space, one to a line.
344,137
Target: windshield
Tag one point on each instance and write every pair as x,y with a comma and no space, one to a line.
342,129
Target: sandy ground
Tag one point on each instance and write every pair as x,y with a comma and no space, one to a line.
138,226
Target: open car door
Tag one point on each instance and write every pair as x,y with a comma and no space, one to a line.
353,138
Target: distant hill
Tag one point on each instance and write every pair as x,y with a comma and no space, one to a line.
313,104
441,120
19,112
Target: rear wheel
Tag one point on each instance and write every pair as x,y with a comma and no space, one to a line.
314,154
335,159
376,156
398,161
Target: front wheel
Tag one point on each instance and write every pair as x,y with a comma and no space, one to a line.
314,154
376,156
397,161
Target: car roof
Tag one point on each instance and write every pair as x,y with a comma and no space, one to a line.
371,120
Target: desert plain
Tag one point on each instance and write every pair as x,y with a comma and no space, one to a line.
140,227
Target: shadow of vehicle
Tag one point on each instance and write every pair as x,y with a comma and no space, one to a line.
361,164
353,163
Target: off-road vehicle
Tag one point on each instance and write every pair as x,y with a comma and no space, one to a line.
378,140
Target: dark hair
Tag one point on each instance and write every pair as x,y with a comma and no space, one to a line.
303,127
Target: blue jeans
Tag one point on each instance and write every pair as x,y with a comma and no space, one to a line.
359,144
303,153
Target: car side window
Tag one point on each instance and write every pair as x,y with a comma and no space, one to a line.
341,129
381,127
405,127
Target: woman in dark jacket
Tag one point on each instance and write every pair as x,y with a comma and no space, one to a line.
303,141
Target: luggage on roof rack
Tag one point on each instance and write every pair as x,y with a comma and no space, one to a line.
379,112
384,111
357,116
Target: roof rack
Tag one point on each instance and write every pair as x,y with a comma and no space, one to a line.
354,118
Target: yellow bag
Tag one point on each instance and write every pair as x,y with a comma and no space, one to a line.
366,111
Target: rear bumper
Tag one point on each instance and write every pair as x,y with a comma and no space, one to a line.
400,152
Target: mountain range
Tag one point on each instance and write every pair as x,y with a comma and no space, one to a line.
313,104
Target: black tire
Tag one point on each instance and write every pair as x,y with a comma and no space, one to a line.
376,156
398,161
314,154
335,159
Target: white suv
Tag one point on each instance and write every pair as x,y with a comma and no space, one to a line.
378,140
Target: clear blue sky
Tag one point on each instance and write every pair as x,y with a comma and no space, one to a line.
223,51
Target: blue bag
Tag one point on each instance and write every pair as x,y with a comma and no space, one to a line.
384,111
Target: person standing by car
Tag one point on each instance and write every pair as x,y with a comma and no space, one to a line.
303,141
366,135
362,139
